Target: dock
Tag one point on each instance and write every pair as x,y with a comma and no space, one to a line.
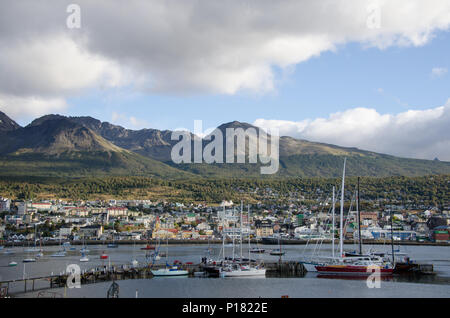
121,272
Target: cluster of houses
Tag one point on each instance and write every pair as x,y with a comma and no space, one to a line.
144,219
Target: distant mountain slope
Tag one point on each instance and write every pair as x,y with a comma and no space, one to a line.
56,146
78,146
7,124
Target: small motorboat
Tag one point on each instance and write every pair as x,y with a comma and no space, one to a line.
277,252
59,254
29,260
84,259
11,264
112,245
148,247
104,256
257,250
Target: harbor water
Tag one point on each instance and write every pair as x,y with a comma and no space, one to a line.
310,285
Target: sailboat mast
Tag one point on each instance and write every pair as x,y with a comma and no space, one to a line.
234,229
241,229
341,219
332,229
359,220
392,237
248,223
223,233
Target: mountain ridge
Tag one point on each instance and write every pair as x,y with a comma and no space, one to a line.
141,151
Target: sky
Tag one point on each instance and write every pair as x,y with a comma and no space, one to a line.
367,74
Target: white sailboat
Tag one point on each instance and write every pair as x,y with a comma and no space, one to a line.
239,269
33,249
169,270
62,251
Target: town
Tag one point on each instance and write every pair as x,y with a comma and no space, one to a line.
141,220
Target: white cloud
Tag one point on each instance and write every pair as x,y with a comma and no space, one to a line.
420,134
17,106
128,121
191,46
438,71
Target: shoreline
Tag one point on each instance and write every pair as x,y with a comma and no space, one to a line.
219,241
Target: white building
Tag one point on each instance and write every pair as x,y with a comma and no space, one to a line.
5,205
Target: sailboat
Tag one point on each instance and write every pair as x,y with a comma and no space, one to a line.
169,270
113,244
238,269
62,251
134,262
355,265
84,249
84,258
33,249
278,251
41,251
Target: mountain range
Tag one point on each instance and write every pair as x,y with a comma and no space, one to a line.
55,145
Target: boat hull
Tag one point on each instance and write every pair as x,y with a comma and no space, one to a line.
169,272
245,273
351,270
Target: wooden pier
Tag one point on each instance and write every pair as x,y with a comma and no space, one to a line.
121,272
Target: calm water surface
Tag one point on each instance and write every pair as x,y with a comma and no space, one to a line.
311,285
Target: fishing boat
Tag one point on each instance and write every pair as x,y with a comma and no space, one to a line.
104,256
354,265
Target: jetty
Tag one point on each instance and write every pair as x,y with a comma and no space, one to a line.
120,272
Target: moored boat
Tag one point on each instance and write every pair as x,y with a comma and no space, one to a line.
243,271
169,271
148,247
